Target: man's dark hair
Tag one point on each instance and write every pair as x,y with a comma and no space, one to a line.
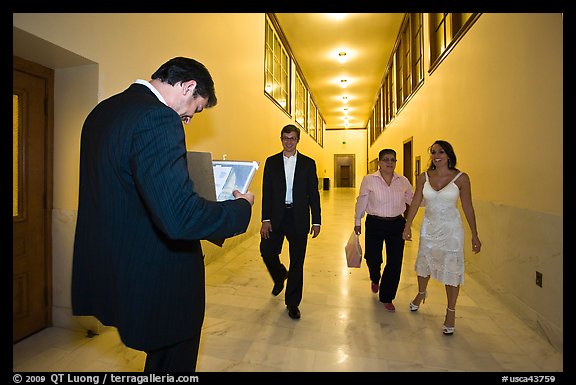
290,128
182,69
386,151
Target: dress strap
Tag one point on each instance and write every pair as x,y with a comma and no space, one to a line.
456,177
426,173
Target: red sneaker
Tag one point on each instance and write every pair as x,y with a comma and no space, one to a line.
375,287
390,307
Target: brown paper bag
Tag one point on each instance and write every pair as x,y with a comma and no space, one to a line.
353,251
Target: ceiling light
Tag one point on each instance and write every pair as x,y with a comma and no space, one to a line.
342,57
343,83
337,16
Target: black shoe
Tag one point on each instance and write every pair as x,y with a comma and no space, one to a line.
293,312
279,286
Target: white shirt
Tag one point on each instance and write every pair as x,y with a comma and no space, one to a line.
289,168
154,90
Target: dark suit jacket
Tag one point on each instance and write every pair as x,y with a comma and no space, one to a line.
305,195
138,263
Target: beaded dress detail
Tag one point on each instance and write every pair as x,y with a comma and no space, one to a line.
441,243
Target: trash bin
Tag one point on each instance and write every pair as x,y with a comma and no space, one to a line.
326,184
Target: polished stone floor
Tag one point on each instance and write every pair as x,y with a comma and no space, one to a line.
344,328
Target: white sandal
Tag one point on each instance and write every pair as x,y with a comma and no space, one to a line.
416,307
448,330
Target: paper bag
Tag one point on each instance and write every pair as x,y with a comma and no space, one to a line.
353,251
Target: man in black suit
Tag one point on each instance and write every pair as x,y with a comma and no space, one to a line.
289,195
138,263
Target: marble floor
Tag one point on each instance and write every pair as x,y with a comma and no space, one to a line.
344,328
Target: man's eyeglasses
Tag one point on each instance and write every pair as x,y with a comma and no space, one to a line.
387,160
289,139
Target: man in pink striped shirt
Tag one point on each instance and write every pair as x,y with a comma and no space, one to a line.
384,196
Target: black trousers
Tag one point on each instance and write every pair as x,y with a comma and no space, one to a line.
271,248
180,357
378,233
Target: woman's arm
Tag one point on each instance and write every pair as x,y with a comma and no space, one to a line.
414,206
466,199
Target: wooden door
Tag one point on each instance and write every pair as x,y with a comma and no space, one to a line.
407,161
31,186
345,180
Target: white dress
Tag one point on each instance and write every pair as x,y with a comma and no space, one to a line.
441,247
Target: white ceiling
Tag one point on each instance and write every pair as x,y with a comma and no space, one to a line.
316,39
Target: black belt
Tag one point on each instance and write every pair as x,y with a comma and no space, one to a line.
289,205
387,218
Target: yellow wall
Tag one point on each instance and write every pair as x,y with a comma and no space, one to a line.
346,142
497,98
244,125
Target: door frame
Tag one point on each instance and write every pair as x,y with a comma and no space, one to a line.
338,162
47,75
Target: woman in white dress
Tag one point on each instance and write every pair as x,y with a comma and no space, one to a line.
441,245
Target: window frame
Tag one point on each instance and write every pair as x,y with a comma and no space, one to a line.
312,117
300,105
277,68
443,40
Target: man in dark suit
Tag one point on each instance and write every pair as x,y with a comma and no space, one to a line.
138,263
289,195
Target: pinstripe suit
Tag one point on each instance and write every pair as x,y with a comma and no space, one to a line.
138,263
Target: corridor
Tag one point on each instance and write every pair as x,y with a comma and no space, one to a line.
343,326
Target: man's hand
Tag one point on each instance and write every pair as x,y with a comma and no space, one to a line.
315,230
248,196
266,229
